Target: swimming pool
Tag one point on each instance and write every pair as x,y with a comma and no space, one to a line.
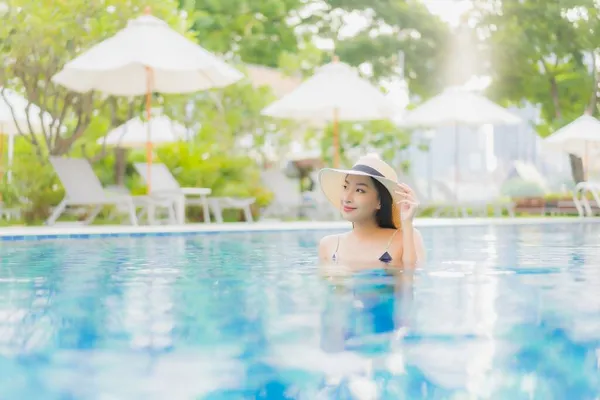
498,312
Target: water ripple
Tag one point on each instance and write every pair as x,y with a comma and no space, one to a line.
497,312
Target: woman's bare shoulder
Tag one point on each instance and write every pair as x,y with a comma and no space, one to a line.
327,245
327,241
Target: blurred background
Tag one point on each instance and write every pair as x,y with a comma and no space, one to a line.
535,60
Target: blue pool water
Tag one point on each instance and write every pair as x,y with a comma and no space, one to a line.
508,312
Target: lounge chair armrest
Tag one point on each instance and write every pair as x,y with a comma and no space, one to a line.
143,200
195,191
165,193
115,195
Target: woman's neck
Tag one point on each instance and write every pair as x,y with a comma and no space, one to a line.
366,228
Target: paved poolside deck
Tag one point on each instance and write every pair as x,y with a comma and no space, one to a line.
71,230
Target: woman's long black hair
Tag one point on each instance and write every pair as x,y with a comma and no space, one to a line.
385,215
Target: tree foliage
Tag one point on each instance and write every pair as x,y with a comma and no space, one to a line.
391,27
221,119
545,53
265,31
38,38
258,31
276,33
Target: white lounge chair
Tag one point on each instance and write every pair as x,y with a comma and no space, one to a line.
149,206
580,198
83,188
163,185
218,204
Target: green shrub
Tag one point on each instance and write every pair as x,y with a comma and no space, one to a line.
193,166
34,188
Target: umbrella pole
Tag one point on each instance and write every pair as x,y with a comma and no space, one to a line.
336,139
456,161
586,163
149,85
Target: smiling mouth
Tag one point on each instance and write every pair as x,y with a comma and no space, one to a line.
348,209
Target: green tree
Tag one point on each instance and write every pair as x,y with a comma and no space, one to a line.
383,137
220,119
258,31
265,31
391,27
281,33
38,38
544,53
398,39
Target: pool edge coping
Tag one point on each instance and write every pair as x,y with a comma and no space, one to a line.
95,231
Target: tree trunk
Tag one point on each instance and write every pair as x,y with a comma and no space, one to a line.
576,168
120,165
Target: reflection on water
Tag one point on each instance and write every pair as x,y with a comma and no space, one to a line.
498,312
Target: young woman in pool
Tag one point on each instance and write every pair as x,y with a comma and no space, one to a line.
381,211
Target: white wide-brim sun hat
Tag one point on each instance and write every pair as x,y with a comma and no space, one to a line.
332,181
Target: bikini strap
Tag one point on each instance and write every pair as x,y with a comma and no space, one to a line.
390,241
334,256
386,257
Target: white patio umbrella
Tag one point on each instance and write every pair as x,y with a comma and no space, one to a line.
456,107
133,133
580,137
16,117
144,57
334,93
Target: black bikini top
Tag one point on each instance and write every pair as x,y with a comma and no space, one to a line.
385,257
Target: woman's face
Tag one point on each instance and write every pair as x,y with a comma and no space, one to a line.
359,200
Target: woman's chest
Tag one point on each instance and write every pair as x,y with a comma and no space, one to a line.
369,252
